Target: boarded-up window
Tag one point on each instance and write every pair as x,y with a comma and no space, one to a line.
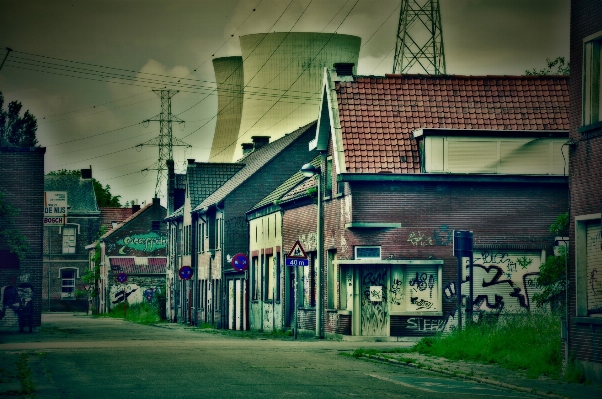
533,156
472,156
594,269
270,276
69,239
422,291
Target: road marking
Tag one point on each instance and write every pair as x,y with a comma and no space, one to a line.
445,385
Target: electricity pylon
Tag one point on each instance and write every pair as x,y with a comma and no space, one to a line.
419,38
165,141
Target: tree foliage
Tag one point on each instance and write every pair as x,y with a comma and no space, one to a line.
15,129
555,67
14,239
104,197
552,273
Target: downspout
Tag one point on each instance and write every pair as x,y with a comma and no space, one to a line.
320,253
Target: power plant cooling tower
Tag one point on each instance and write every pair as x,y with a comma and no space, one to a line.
283,75
229,78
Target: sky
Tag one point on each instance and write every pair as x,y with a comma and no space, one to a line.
86,69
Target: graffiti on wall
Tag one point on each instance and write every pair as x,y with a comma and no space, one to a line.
396,291
503,281
374,317
440,237
16,304
141,242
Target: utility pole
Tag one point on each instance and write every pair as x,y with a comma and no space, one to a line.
419,47
165,141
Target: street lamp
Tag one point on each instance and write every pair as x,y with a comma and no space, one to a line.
309,170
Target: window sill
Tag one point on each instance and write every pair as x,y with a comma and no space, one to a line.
588,320
587,129
434,313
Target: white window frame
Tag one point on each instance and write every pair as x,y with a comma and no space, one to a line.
72,248
366,247
437,309
68,295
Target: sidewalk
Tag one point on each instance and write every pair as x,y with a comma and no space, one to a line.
494,375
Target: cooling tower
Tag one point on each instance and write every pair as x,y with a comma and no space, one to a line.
229,78
283,75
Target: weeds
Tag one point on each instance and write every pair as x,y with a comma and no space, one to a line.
24,375
529,342
142,313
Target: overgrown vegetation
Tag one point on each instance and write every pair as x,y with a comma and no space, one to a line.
142,313
529,342
552,273
14,239
24,375
558,66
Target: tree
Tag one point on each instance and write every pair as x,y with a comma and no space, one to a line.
17,130
562,68
103,194
14,239
552,273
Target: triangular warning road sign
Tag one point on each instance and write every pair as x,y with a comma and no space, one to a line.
297,251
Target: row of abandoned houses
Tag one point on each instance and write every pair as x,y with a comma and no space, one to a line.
401,162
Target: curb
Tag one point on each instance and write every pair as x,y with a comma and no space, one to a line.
468,377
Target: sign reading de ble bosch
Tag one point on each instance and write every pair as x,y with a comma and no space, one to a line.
55,208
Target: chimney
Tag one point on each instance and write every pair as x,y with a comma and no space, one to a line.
156,201
260,141
246,148
344,68
135,208
87,173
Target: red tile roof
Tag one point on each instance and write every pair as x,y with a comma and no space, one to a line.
379,114
110,214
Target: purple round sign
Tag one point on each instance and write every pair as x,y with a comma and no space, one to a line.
122,277
240,262
185,272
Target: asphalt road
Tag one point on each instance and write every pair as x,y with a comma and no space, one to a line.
83,357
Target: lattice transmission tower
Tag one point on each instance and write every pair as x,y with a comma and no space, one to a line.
419,47
165,141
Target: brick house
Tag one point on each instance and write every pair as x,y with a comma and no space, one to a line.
200,180
272,284
221,221
137,248
22,184
408,159
585,256
65,253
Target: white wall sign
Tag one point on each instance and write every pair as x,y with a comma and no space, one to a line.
55,208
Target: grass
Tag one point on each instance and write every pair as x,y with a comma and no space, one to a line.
142,313
528,342
24,375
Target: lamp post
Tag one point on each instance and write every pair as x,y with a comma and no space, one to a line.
309,170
